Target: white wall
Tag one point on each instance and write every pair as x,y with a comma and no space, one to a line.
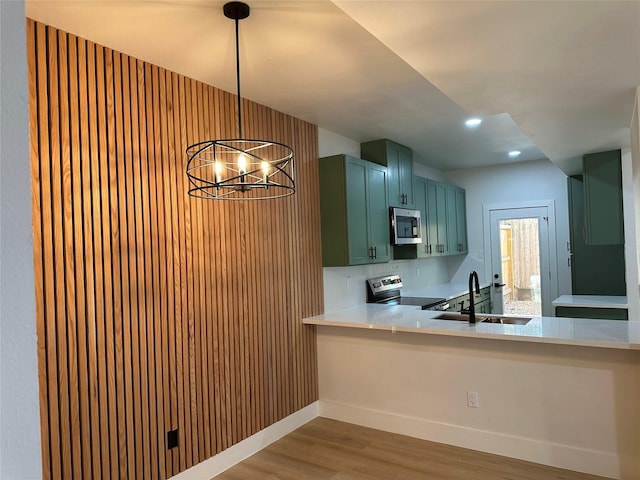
566,406
345,286
532,181
20,456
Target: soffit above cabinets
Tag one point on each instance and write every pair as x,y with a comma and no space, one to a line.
551,79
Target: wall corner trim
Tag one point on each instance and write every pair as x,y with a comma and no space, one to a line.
235,454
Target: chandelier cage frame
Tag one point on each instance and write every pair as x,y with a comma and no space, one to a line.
240,168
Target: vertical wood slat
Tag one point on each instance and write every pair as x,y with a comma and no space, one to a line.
153,326
155,310
145,278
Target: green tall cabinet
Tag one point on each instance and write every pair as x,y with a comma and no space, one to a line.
595,269
604,222
399,162
354,211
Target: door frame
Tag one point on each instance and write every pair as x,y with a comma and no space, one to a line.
547,308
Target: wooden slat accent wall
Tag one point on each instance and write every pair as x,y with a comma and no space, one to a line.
156,311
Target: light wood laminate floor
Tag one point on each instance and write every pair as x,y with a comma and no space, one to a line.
326,449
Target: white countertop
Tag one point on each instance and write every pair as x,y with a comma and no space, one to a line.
591,301
565,331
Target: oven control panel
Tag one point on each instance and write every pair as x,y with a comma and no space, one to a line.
383,284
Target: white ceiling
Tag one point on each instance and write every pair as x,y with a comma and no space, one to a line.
551,79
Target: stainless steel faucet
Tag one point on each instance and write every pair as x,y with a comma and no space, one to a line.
473,277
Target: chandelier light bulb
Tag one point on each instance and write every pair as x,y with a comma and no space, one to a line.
218,169
242,164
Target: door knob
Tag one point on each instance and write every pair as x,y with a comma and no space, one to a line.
498,285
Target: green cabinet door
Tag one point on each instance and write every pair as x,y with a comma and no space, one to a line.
437,218
456,221
399,162
604,224
405,176
378,214
461,218
356,189
452,222
354,212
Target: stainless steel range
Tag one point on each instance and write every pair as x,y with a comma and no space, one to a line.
386,290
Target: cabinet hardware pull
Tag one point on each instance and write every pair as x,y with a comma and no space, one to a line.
375,252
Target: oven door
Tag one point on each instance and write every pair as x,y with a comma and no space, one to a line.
406,228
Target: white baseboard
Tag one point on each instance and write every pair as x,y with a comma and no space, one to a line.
605,464
228,458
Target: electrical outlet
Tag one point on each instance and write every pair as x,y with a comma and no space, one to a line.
172,439
473,400
417,271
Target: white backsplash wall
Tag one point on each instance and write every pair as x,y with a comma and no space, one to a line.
345,287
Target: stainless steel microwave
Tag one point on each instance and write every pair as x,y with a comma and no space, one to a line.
406,228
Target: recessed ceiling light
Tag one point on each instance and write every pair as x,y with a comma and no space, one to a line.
514,153
473,122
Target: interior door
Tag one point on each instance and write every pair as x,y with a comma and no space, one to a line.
522,280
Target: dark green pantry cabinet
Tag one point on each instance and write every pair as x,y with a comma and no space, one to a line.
354,211
604,224
595,269
399,162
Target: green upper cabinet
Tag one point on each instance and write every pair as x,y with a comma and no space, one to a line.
423,249
602,174
399,162
456,220
444,221
354,211
437,242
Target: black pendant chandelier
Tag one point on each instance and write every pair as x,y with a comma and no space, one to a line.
240,168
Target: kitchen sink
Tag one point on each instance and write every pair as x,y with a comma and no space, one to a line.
506,320
463,317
